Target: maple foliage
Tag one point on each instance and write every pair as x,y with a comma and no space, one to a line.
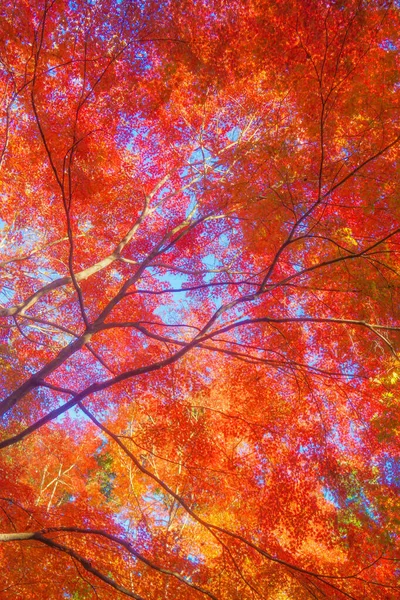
200,299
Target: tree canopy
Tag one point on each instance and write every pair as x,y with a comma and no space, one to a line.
200,299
